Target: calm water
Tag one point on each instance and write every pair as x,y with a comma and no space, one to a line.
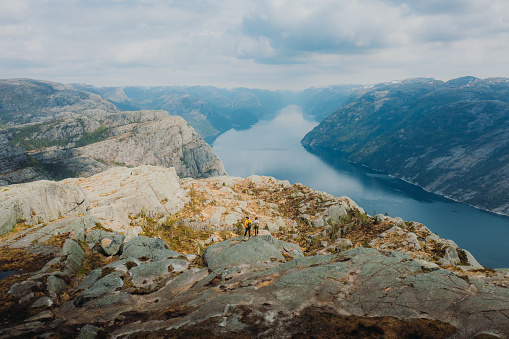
273,148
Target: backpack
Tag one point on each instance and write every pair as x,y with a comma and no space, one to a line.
249,223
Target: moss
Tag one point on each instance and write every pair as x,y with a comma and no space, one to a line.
463,257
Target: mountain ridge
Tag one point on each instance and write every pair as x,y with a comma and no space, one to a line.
448,137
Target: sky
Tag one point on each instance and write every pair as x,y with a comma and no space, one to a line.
273,44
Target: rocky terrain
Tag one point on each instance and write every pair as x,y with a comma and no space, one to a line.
141,253
451,137
52,131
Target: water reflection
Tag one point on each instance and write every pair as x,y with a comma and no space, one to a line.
273,148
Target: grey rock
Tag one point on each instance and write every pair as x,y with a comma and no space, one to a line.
148,272
21,289
413,241
55,284
43,302
450,258
474,264
73,256
335,213
255,251
150,248
112,242
106,285
318,222
40,201
88,332
427,265
114,300
342,244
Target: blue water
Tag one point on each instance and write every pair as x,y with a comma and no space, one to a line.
272,148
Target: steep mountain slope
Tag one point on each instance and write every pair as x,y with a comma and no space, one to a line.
89,135
451,137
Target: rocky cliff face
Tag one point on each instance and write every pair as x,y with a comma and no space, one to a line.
147,254
85,137
449,137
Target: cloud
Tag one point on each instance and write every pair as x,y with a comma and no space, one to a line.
261,43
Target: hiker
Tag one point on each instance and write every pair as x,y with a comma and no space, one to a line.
256,225
247,225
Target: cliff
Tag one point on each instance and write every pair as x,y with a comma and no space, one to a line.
54,131
139,252
451,137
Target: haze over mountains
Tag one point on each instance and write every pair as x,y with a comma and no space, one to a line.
211,110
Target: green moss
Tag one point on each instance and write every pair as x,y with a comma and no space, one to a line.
463,257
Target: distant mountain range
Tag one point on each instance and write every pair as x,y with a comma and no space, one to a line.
211,111
451,138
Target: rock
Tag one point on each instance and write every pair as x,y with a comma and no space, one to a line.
21,289
40,201
318,222
380,218
121,193
342,244
426,265
433,237
399,222
450,258
88,332
149,248
233,218
474,264
147,272
112,242
335,213
413,241
43,302
55,284
73,256
167,141
257,251
101,287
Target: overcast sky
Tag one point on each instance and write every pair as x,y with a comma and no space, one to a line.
253,43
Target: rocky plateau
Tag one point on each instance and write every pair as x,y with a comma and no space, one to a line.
141,253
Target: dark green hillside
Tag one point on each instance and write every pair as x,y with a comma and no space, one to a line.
449,137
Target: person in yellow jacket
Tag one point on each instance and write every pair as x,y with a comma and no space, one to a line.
247,224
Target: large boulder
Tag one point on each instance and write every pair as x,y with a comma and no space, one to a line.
146,248
121,193
257,251
40,201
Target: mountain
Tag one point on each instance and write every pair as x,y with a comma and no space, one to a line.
53,131
451,138
209,110
25,100
320,102
139,252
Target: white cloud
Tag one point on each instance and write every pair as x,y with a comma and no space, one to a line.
255,43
